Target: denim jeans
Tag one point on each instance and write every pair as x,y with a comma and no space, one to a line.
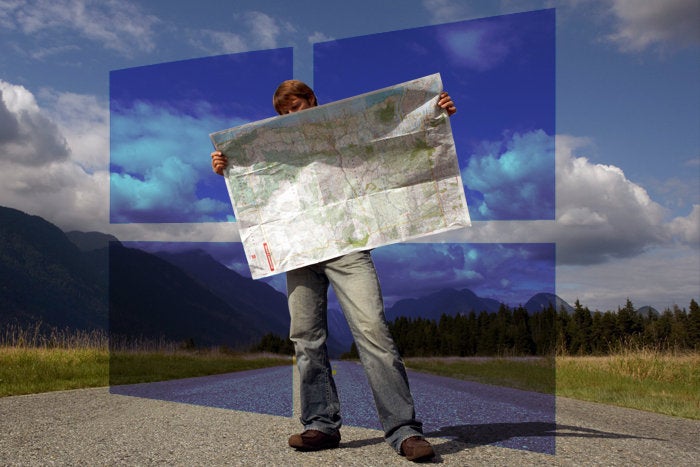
355,283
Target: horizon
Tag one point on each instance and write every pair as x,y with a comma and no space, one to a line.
236,263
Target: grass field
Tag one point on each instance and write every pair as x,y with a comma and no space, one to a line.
25,370
146,367
657,381
661,382
646,380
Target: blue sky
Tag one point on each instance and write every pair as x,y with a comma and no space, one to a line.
627,143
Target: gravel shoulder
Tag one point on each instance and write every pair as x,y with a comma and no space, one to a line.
94,427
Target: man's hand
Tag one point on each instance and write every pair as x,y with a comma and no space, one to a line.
218,162
445,102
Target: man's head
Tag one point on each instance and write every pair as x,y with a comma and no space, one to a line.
293,95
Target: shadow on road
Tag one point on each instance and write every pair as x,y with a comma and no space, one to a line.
495,433
359,443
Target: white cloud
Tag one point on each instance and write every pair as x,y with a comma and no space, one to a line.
443,11
264,29
687,228
601,215
219,42
84,122
115,24
319,37
514,177
27,136
632,220
45,52
161,156
54,163
257,30
39,174
644,24
479,47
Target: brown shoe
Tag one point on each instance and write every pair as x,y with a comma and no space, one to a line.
314,440
417,449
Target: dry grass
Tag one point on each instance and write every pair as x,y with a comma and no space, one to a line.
45,337
663,382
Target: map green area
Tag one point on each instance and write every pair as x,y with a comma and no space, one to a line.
355,174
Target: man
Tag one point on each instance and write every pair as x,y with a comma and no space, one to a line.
355,283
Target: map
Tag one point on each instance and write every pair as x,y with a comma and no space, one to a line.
355,174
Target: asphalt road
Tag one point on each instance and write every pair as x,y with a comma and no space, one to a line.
198,422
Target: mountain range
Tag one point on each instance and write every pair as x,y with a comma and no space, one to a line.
90,280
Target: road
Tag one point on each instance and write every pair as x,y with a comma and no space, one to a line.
245,419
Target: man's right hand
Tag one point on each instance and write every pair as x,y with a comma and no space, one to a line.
218,162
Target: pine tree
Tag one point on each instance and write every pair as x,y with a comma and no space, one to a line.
579,330
543,328
521,333
694,326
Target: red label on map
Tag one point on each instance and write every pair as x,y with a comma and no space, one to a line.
269,257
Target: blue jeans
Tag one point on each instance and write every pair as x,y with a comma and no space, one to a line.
355,283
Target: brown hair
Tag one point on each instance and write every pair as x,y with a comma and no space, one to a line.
289,89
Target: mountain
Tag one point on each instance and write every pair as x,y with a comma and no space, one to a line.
151,299
88,280
647,311
90,241
263,305
432,306
453,302
339,336
45,278
449,301
540,301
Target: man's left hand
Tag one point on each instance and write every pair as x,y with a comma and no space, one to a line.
445,102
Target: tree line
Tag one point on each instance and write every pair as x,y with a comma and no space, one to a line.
514,331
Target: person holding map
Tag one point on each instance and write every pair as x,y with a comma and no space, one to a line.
354,280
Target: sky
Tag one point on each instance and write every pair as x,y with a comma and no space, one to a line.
625,139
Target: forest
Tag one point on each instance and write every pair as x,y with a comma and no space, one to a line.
515,332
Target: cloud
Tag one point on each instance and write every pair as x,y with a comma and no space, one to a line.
665,24
263,28
47,172
687,229
27,137
114,24
601,215
477,45
159,160
659,277
319,37
259,31
219,42
83,120
512,179
444,11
